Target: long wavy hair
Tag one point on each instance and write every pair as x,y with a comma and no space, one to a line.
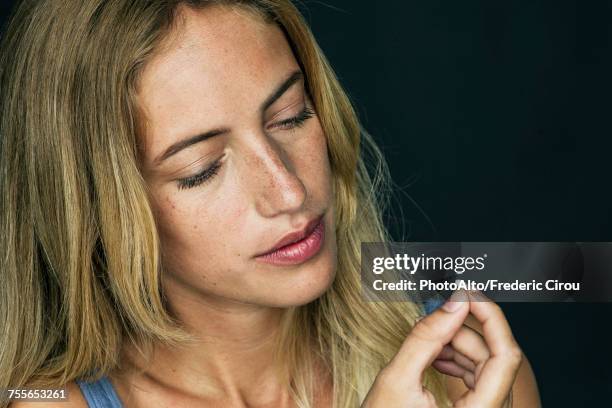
79,249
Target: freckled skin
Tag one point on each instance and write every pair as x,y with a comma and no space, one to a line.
271,180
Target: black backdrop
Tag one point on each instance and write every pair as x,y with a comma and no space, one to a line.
495,119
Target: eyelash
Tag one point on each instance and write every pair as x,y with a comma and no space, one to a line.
297,121
209,173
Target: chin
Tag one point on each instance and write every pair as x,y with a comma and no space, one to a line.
302,285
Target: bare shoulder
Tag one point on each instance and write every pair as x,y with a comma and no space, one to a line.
75,400
525,390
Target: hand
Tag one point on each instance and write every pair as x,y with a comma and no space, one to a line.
487,365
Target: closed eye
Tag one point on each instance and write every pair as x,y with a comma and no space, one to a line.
212,170
296,121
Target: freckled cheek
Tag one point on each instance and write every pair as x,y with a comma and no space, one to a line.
314,161
173,224
205,225
180,222
318,145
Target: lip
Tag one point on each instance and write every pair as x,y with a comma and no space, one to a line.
297,246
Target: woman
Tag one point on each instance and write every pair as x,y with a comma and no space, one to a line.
183,201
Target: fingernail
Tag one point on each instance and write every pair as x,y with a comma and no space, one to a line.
451,306
454,302
478,296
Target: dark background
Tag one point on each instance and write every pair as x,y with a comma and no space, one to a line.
495,119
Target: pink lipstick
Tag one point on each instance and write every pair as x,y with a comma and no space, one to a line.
297,251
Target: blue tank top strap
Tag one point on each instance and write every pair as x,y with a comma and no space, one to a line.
431,304
100,394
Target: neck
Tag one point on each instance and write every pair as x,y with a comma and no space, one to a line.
232,357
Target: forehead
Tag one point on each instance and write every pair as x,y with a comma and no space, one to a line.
215,61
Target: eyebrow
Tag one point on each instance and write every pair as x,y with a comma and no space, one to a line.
183,144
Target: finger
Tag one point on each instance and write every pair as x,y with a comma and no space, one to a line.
454,363
496,330
449,367
496,379
446,353
453,369
499,371
449,353
469,343
427,339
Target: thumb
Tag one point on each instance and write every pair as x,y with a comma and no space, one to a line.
427,339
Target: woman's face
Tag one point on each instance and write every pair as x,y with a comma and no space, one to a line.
259,172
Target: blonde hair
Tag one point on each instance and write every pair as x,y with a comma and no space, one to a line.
79,250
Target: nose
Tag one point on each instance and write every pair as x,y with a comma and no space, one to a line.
272,179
